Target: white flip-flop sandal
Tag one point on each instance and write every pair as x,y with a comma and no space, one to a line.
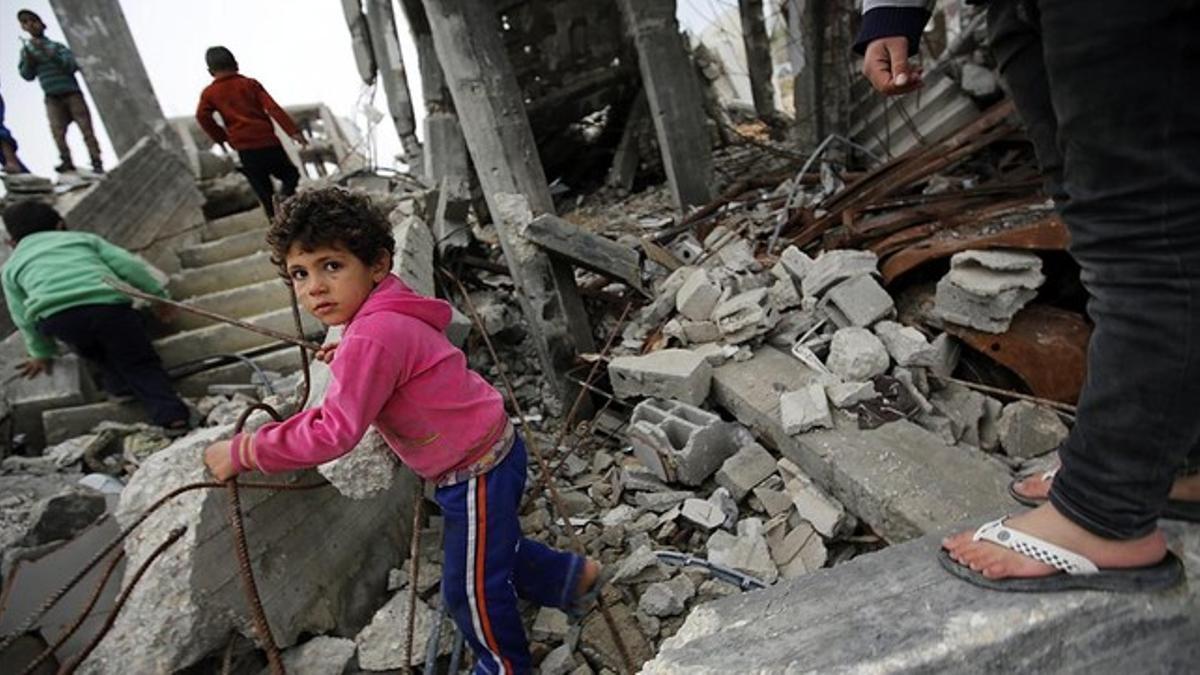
1076,572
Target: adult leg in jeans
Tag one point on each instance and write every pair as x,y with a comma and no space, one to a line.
1016,41
1132,173
83,119
58,113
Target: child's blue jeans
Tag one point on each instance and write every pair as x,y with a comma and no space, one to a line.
488,565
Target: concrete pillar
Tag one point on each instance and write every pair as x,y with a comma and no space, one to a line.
360,40
758,57
466,35
445,149
108,58
676,103
381,21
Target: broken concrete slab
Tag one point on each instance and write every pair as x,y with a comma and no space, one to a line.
856,354
1028,430
905,344
550,624
858,301
796,550
667,598
745,316
922,619
186,608
834,267
703,514
597,643
899,478
747,552
988,314
805,409
964,408
381,643
747,468
825,513
413,260
67,384
679,374
586,249
679,442
37,511
796,262
846,394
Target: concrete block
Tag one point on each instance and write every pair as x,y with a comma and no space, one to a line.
679,442
826,514
700,332
381,643
702,513
698,296
187,606
42,510
677,374
834,267
745,316
1027,430
856,354
783,295
745,469
67,384
322,655
921,619
805,409
797,263
899,478
747,552
667,598
984,289
905,344
413,261
774,502
964,408
858,301
846,394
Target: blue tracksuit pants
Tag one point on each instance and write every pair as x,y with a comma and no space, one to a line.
488,565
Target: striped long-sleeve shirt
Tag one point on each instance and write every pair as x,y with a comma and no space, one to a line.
52,63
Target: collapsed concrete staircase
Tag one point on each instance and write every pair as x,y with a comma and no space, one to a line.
228,272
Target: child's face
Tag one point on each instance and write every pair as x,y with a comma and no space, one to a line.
331,282
32,25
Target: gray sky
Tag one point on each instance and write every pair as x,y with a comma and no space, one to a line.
299,50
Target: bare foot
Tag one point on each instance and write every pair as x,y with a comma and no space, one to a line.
1037,486
591,572
1045,522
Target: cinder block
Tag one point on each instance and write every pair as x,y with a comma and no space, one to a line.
698,296
679,442
678,374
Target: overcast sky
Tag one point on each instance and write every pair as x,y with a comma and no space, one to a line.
299,49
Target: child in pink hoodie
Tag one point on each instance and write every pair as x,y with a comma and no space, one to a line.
395,369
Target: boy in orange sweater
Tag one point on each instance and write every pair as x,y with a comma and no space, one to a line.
247,110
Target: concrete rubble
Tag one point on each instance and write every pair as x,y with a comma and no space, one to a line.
787,404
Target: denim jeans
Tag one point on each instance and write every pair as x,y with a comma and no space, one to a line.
1120,141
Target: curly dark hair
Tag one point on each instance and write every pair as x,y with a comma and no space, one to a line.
330,216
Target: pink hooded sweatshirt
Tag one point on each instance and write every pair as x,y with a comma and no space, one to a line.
394,368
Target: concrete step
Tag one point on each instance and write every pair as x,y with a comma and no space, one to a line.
238,303
68,422
223,276
226,339
235,224
897,611
227,248
902,480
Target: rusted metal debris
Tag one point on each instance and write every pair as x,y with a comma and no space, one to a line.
1045,346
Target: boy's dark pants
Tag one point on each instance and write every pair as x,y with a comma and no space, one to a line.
488,565
115,337
1105,88
260,164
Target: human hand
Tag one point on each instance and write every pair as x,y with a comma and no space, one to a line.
886,67
325,353
34,367
218,461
